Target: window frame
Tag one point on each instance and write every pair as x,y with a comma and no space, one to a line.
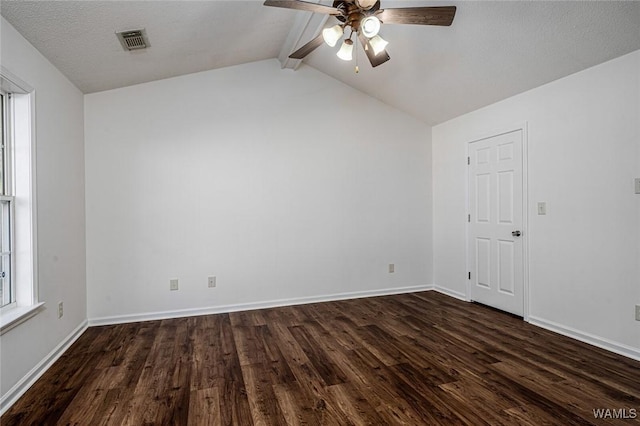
6,195
24,271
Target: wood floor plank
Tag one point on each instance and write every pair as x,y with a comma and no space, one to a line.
356,409
204,408
296,407
485,404
206,351
234,403
52,397
277,365
97,386
330,373
264,405
109,409
150,393
530,415
569,406
415,359
250,350
247,318
377,381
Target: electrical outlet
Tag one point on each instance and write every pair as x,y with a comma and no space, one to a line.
173,285
637,312
211,282
392,268
60,309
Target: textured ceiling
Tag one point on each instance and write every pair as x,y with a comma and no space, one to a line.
492,51
78,37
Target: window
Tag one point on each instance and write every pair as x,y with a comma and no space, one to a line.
7,291
18,272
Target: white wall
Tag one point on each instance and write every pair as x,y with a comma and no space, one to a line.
60,210
284,185
584,152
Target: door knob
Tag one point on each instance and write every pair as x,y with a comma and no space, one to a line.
516,233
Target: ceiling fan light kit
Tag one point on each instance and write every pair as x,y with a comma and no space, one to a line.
346,50
365,18
365,4
331,35
370,26
378,44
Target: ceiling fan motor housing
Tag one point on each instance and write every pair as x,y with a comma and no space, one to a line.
354,12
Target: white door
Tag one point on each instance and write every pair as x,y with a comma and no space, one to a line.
495,222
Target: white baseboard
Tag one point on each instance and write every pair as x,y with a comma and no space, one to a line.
9,398
151,316
591,339
451,293
618,348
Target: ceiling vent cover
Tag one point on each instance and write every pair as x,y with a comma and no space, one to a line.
133,39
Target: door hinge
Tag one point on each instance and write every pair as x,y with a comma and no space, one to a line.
469,218
469,275
468,161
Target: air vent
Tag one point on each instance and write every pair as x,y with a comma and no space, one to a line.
133,39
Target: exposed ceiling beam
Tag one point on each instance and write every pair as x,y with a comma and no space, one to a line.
306,27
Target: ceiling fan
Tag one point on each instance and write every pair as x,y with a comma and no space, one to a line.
364,18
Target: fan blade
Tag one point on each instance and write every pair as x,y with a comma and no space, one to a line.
375,60
303,5
441,15
307,48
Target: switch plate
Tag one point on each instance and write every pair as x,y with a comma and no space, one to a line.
637,312
392,268
173,285
60,310
211,282
637,181
542,208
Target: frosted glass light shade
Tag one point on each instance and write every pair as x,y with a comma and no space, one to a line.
370,26
378,44
332,35
365,4
346,51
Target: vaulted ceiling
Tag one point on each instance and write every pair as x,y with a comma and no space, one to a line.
492,51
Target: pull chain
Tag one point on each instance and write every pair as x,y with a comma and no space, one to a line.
356,48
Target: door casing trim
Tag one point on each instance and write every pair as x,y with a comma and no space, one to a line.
524,127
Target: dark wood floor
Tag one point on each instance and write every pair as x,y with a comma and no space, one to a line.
417,359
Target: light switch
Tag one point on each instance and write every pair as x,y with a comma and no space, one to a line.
542,208
637,185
